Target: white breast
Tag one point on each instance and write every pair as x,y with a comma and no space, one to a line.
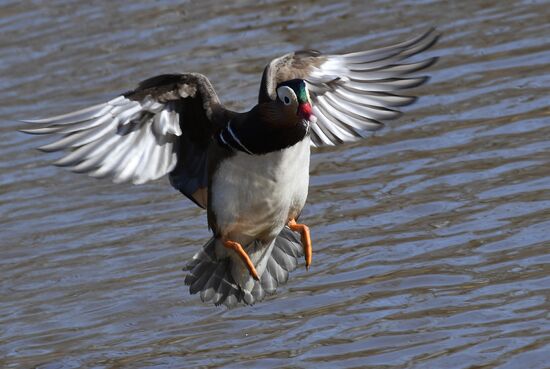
253,196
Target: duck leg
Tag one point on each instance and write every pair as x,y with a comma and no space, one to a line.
306,239
244,257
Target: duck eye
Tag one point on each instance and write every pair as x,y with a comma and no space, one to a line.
286,95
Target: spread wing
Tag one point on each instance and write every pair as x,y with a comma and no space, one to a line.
161,127
352,93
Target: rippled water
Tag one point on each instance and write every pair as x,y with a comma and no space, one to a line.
431,238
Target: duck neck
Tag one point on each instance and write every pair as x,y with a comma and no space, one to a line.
257,132
229,138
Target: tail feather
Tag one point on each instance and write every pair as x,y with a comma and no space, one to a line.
212,277
288,241
204,273
211,287
279,274
258,292
287,263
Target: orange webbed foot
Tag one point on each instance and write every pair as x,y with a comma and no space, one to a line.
244,257
305,237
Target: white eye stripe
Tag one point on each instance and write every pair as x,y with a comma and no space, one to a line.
286,95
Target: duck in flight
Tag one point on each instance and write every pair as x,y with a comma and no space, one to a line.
250,171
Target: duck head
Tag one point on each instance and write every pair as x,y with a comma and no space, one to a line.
295,100
276,124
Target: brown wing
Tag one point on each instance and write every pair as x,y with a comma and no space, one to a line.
161,127
352,93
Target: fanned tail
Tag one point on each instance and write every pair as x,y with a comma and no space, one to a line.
212,276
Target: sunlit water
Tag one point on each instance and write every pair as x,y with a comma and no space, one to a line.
431,238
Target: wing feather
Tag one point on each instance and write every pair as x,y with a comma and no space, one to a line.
353,93
137,136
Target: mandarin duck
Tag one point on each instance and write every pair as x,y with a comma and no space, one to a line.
250,170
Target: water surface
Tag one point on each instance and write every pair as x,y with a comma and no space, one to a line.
430,239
